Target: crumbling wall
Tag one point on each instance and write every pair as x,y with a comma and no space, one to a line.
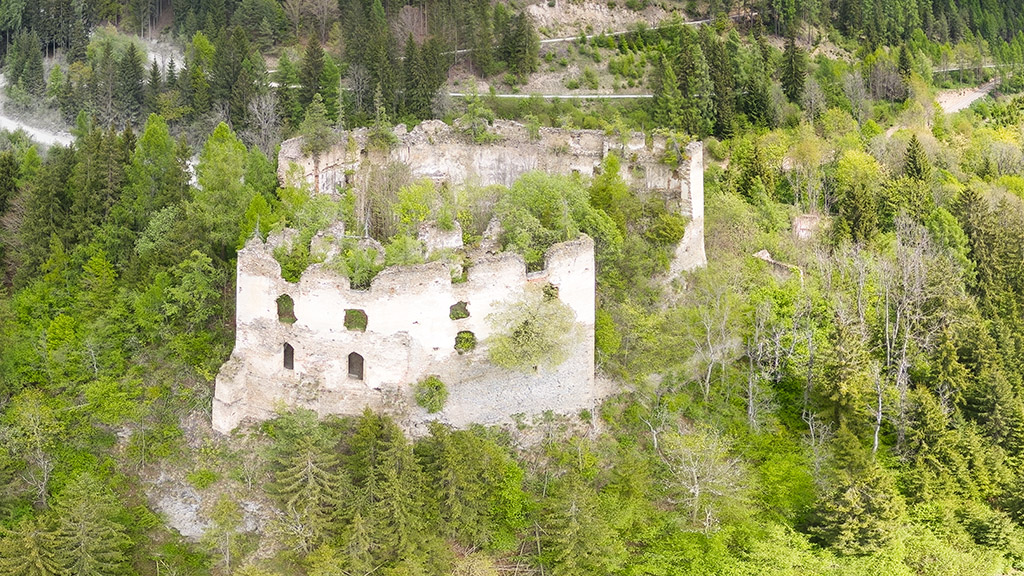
437,151
409,335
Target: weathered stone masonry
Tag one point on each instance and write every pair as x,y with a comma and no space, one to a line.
409,334
318,363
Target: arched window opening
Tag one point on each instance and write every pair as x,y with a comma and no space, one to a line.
289,357
286,309
355,366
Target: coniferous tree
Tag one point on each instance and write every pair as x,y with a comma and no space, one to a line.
46,206
288,91
422,88
242,95
436,64
482,39
310,481
231,49
330,89
129,90
520,46
9,175
793,70
172,75
311,69
79,39
31,75
410,62
576,539
380,57
30,549
757,100
199,89
720,68
915,161
698,113
154,177
668,100
154,86
904,65
89,541
860,513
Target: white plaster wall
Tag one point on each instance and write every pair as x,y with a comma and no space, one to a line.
409,335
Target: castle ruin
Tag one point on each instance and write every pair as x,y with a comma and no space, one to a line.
407,325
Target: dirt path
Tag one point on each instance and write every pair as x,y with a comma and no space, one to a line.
956,100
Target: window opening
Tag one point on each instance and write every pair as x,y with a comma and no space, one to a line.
459,310
286,309
465,341
355,320
289,357
355,366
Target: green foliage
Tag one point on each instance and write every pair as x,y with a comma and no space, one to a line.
476,122
459,311
403,250
355,320
540,210
465,341
431,394
222,197
858,177
534,330
202,478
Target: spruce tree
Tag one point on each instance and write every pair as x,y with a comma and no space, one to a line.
904,63
723,80
793,70
288,91
30,549
330,89
79,39
576,540
311,69
482,38
242,93
32,75
520,46
199,88
436,64
915,161
411,61
172,75
128,87
698,113
153,88
310,480
231,51
154,177
9,175
89,541
668,100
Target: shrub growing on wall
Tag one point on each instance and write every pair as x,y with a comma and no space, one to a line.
431,394
465,341
536,330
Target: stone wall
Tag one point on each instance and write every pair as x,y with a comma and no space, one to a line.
437,151
409,335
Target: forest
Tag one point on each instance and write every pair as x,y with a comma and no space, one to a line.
853,403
